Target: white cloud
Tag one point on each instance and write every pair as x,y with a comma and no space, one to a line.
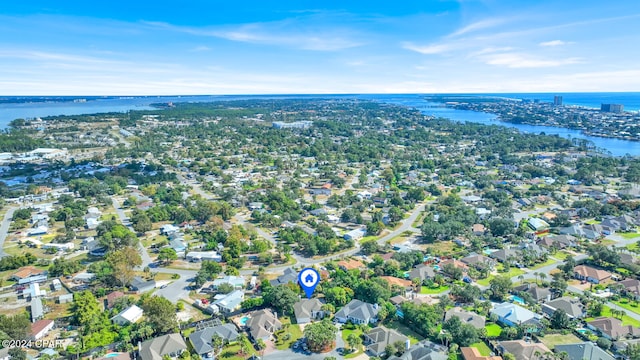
516,61
553,43
428,49
479,25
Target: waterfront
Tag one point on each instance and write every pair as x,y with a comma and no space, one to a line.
616,147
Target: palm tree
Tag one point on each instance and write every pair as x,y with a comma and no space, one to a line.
536,275
445,337
217,342
261,346
542,276
244,349
521,278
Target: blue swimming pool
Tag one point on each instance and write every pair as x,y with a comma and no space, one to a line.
110,355
243,320
516,299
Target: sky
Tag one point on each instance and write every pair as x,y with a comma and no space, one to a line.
115,47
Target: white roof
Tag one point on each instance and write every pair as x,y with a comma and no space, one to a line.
131,314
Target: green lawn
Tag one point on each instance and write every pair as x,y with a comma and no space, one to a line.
482,347
628,305
560,255
629,235
626,320
493,330
414,337
287,336
511,273
429,290
538,266
345,335
592,222
231,352
551,340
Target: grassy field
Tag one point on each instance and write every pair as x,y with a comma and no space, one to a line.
232,352
493,330
511,273
345,335
560,255
628,305
414,337
626,320
294,333
592,222
629,235
428,290
538,266
551,340
482,347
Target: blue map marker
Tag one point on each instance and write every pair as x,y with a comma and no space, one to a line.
308,278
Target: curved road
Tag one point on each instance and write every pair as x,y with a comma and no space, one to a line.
4,228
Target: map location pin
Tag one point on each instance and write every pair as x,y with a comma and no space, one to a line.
308,278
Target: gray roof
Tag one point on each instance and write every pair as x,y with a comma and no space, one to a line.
466,317
380,337
289,275
523,350
262,324
305,307
538,293
154,349
201,340
358,310
422,272
571,306
583,351
37,310
504,254
424,350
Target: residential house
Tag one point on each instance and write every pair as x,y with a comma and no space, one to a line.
289,276
466,317
168,229
40,328
262,324
228,303
236,281
424,350
479,261
628,259
56,285
570,305
350,264
307,309
178,245
140,285
504,255
591,274
397,300
378,338
356,234
478,229
469,353
201,340
26,272
512,314
358,312
65,299
255,206
612,328
422,272
580,231
583,351
84,278
455,263
171,345
537,293
559,241
524,350
631,288
111,298
198,256
127,316
407,285
532,248
537,224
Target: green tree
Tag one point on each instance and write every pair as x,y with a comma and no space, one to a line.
560,319
16,326
160,314
167,255
87,311
354,341
320,335
282,298
123,262
500,287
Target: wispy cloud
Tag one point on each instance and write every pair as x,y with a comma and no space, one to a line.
553,43
479,25
516,61
428,49
284,33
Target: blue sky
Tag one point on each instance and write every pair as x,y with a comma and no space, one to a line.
277,47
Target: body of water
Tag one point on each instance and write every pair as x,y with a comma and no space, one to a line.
615,147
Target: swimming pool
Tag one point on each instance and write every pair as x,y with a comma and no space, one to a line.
110,355
243,320
517,299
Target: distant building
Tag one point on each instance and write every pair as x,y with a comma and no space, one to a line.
292,125
613,108
557,100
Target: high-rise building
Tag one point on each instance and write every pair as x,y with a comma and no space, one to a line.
557,100
614,108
